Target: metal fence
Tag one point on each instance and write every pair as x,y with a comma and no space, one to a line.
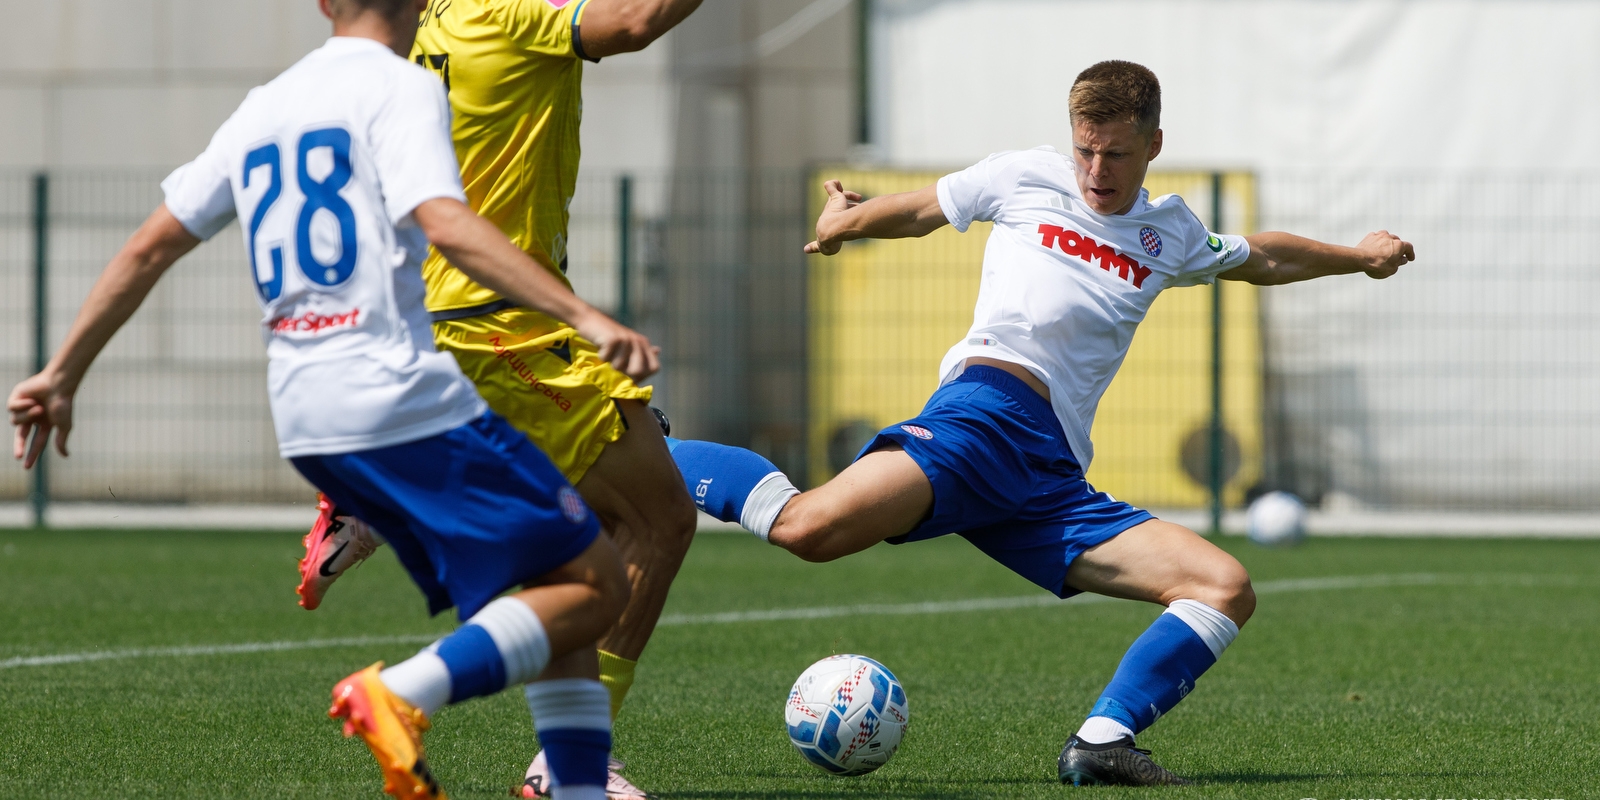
1467,382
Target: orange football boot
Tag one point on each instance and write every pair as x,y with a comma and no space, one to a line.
392,729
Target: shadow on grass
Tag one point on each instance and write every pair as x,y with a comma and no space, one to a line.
909,788
1255,777
1285,777
933,789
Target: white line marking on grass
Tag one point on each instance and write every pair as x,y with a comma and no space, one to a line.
1285,586
211,650
1044,600
894,609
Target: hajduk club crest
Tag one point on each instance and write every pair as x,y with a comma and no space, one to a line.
572,506
1151,241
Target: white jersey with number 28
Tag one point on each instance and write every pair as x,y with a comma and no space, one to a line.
1064,287
323,167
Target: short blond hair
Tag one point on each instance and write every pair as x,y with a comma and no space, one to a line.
1117,91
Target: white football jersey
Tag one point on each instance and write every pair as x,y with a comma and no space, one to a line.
323,167
1064,287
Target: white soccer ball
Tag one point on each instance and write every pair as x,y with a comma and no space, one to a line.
846,714
1276,519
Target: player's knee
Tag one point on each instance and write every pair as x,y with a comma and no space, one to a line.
609,587
805,533
1232,593
813,550
679,522
1221,583
612,590
660,534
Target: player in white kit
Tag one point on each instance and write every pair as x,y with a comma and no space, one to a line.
340,171
1078,253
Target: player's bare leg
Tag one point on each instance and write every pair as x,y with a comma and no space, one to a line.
635,489
1208,598
1160,562
882,494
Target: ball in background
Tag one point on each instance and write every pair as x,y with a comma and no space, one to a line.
846,714
1277,519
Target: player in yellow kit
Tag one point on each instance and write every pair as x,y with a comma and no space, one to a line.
513,71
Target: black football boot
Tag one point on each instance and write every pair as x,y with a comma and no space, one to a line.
1116,763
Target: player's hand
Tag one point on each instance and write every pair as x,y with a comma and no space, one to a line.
37,405
1385,253
620,346
839,201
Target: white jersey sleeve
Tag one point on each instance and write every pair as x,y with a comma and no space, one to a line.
412,150
1208,254
199,194
977,193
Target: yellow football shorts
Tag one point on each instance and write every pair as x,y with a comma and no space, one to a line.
545,380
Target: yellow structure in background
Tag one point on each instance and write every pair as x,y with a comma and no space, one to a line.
883,313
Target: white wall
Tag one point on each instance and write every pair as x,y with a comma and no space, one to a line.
1266,84
143,83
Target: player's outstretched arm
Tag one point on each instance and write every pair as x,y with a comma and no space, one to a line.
893,216
44,401
1278,258
625,26
475,246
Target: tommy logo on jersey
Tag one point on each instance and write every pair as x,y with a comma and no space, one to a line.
1077,244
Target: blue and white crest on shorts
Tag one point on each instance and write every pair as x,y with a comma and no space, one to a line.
1150,240
917,431
572,505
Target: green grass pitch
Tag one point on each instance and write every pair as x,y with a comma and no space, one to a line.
1471,675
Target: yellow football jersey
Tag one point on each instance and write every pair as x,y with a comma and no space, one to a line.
513,70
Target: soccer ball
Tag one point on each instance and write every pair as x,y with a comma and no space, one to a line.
846,714
1277,518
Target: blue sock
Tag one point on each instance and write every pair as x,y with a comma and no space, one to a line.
724,482
1163,664
504,643
476,668
573,718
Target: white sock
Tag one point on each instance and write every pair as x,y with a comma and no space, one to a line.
765,503
559,792
1099,730
1212,626
422,680
518,635
569,703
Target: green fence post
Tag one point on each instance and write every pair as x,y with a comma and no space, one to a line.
624,249
40,494
1215,473
863,72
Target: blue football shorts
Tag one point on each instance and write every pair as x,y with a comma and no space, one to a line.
470,512
1005,479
